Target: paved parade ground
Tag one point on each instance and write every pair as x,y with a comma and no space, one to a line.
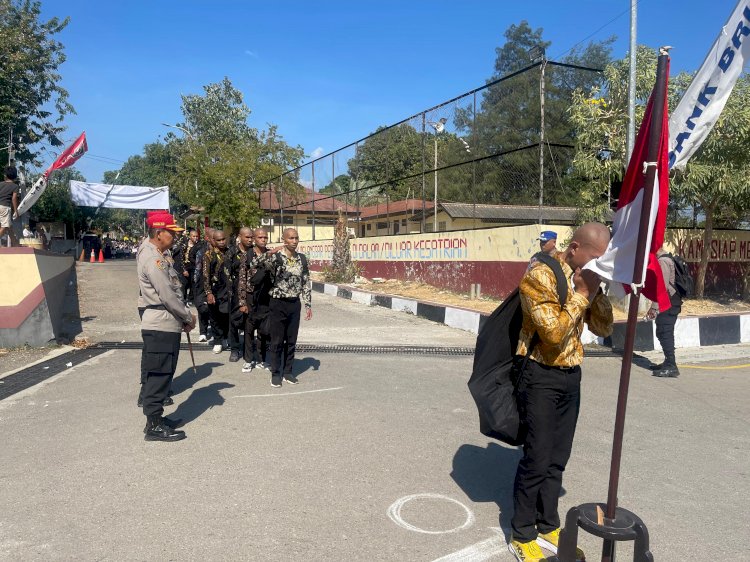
372,457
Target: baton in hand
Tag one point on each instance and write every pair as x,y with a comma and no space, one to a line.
190,347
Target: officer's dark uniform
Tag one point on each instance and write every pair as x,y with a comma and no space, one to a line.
164,315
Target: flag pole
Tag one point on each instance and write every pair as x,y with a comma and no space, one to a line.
657,116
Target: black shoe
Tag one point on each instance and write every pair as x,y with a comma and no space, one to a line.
668,371
291,379
173,424
158,430
658,367
168,401
140,402
276,381
234,356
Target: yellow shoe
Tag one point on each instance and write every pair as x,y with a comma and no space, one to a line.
526,551
550,540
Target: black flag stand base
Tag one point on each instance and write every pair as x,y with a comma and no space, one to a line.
626,526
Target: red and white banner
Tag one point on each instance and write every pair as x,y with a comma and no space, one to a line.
67,158
618,262
69,155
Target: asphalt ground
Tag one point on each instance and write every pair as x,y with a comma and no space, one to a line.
371,457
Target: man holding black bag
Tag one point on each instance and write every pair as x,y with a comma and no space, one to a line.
549,386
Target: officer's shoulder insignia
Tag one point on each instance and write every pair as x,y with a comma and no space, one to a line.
160,264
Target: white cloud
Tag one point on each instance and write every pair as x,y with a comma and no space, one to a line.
250,53
317,153
306,183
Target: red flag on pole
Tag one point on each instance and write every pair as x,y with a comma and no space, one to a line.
617,263
69,155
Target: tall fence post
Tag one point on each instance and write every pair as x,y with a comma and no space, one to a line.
541,139
474,163
423,225
313,200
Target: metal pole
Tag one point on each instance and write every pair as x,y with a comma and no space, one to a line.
313,200
631,79
434,173
657,114
474,163
422,227
541,140
281,207
356,186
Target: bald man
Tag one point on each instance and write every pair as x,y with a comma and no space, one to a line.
236,256
549,387
217,287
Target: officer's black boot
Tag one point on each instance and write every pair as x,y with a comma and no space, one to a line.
157,429
669,369
169,422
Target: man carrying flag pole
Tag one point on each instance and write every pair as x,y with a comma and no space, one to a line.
630,262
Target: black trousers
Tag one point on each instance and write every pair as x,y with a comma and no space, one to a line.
158,363
548,400
219,322
665,322
237,322
284,326
252,327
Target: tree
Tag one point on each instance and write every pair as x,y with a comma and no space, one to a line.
599,116
222,163
30,57
715,176
390,159
508,121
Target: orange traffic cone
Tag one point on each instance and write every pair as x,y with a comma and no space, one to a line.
83,255
101,256
93,257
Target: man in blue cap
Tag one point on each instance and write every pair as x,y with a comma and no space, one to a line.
548,242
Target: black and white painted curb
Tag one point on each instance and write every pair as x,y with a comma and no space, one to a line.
689,331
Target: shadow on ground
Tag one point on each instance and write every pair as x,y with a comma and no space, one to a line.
486,475
189,378
71,311
306,364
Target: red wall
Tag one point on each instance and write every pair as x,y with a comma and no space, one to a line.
498,279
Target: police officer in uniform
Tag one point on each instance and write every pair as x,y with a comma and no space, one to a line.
165,317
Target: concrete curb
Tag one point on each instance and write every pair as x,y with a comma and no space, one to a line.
694,331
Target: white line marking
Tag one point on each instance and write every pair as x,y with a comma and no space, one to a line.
394,513
477,552
287,393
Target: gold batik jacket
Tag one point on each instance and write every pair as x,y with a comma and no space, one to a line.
559,328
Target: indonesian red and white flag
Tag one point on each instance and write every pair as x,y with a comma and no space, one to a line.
618,262
69,155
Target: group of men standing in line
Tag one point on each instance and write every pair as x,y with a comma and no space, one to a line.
239,292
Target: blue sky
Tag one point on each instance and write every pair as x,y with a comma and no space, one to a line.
326,73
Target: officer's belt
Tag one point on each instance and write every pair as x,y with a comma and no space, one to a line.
153,307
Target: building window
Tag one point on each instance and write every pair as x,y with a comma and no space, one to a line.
288,220
442,226
382,225
369,226
403,222
428,227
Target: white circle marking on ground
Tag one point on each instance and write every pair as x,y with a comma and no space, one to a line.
394,513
